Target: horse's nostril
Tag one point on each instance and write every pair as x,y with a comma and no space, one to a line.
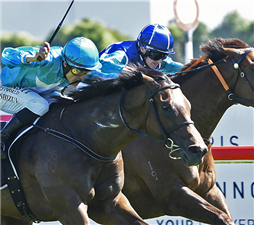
194,150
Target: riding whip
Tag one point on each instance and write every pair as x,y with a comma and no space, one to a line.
58,27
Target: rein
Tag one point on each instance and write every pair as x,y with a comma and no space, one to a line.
78,144
165,133
198,68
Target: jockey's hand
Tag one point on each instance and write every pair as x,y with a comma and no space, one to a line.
43,52
40,55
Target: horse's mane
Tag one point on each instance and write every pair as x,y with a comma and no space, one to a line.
212,48
127,79
212,51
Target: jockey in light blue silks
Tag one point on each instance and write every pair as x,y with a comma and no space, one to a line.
26,82
151,49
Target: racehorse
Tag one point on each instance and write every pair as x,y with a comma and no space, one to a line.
157,185
61,182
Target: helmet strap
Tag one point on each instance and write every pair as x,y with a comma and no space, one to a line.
143,56
66,69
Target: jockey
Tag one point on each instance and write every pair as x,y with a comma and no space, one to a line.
27,83
151,50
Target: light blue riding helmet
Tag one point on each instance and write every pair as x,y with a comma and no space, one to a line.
156,37
81,53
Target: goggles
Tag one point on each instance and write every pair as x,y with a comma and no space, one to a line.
155,55
79,72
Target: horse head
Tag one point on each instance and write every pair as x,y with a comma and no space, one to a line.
170,111
151,105
238,77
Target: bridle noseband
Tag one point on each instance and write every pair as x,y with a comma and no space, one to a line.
168,142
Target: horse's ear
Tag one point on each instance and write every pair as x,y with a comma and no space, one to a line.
150,82
232,52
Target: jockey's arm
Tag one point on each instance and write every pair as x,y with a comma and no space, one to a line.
113,62
104,76
169,66
12,57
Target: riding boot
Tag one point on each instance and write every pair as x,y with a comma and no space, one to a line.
9,130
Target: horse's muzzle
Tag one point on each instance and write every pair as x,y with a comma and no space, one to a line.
194,155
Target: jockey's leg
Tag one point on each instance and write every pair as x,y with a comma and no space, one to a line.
26,106
18,120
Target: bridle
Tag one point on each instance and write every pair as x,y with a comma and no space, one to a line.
236,65
168,142
240,73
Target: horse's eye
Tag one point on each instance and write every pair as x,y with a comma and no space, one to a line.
167,107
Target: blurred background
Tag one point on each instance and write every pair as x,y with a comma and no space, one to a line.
31,22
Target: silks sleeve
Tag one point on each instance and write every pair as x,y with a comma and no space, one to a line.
113,62
104,76
13,57
169,66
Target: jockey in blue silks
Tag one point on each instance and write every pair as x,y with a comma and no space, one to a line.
151,49
27,82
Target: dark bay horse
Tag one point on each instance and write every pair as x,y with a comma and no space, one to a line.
61,182
157,185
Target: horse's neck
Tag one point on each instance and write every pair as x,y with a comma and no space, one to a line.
208,101
98,125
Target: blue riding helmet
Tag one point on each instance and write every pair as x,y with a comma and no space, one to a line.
156,38
81,53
